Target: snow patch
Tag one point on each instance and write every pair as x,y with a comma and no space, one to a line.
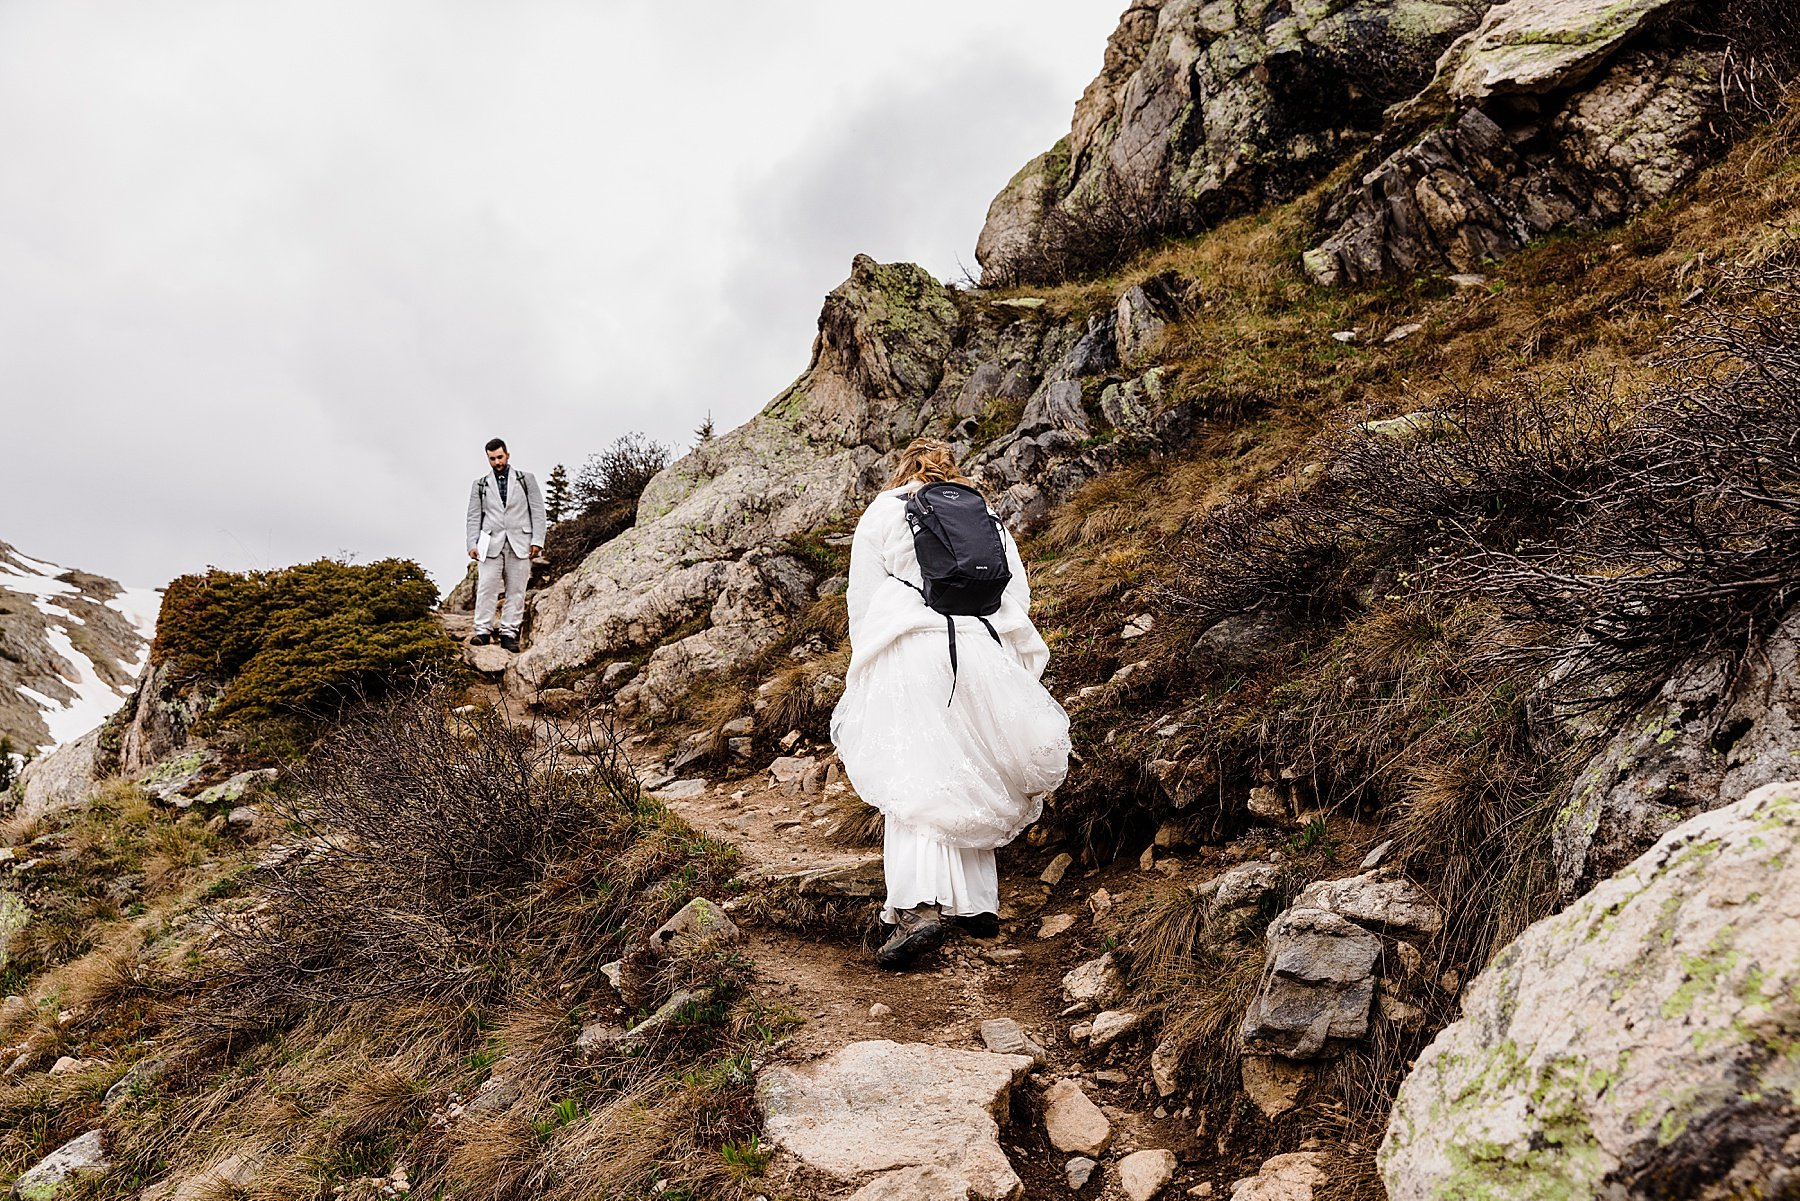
94,701
141,607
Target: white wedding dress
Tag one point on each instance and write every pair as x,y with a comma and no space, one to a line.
955,777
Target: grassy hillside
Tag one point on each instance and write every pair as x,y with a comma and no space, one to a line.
1362,617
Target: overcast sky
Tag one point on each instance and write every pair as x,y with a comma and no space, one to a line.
274,271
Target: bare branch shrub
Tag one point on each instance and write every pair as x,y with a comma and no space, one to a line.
620,473
604,499
1099,228
1762,51
440,843
1689,541
1486,470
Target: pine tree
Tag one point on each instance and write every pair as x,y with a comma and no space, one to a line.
556,497
704,431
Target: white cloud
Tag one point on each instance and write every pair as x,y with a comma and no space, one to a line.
276,271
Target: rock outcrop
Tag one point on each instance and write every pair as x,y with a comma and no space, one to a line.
1716,731
1550,114
157,720
1204,108
807,459
71,646
924,1120
898,356
1539,114
1640,1044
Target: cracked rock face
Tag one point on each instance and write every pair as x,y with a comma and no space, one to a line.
1319,984
1211,106
915,1115
1640,1044
1716,731
1551,114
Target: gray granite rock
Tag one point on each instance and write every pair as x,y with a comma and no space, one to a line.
1318,986
1203,109
1637,1044
58,1173
1715,731
920,1116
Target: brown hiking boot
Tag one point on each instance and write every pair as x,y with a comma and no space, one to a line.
917,931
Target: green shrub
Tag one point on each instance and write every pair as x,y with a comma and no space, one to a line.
299,639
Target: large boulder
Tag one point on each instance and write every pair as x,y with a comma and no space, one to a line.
1550,114
921,1118
58,781
1538,46
1208,107
1640,1044
1717,730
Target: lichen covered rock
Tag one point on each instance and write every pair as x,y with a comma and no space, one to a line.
1537,46
1644,1043
59,1173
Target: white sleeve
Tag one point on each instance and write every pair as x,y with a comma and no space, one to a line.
1018,588
866,570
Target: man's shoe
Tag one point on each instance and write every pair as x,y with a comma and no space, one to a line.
481,639
509,643
978,925
919,931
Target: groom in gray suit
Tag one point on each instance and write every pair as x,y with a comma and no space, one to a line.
505,533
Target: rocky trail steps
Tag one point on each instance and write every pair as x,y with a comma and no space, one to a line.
960,1078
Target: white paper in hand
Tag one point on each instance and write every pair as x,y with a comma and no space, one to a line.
482,543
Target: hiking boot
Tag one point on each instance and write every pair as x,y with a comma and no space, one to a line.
918,931
481,639
509,643
978,925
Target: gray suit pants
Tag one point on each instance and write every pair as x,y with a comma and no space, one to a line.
515,571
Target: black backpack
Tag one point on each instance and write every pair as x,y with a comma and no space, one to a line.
962,557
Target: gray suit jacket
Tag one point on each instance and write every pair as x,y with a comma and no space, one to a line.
519,522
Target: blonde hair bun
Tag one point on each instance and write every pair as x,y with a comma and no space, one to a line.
928,461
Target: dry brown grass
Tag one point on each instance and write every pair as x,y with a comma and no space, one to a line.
333,1082
854,822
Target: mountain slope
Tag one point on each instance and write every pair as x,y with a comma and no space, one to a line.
71,646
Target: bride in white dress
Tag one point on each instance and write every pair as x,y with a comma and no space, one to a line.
954,780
